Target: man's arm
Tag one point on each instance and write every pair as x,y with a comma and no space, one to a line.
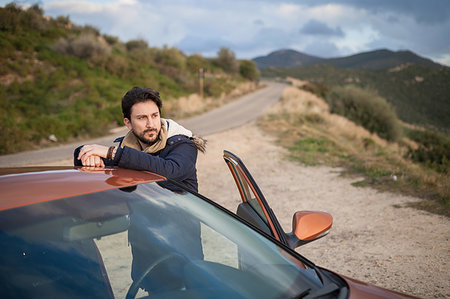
92,155
178,165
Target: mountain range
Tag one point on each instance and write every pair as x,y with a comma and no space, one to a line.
373,60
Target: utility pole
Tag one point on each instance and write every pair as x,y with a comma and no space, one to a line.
200,78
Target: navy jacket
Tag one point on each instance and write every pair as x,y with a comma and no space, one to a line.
177,161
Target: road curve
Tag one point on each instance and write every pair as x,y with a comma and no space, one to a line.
234,114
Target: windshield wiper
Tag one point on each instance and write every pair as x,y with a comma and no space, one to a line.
326,290
303,294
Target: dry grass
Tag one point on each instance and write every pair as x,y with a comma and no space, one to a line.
194,104
314,136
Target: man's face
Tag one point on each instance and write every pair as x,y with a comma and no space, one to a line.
145,122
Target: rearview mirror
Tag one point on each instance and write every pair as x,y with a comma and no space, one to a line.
308,226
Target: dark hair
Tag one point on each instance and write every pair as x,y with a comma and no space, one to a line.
139,95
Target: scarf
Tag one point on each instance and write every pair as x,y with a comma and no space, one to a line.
169,128
132,141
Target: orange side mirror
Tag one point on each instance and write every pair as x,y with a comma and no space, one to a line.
308,226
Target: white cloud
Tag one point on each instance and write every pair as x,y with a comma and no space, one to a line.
257,27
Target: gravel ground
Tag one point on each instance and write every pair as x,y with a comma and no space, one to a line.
375,237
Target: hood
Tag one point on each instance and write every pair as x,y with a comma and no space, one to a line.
173,128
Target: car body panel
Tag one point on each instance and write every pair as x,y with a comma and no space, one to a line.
359,289
62,183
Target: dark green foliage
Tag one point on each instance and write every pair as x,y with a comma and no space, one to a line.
226,60
433,151
419,94
136,44
365,108
248,70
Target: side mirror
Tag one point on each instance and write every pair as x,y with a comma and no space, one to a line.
308,226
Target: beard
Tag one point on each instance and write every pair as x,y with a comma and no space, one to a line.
147,140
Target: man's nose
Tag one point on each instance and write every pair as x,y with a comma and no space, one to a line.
150,122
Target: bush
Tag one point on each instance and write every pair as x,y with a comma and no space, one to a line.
85,46
248,70
365,108
319,89
171,57
196,61
227,61
136,44
433,151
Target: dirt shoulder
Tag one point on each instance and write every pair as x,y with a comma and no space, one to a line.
375,237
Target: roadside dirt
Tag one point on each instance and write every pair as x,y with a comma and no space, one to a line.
375,237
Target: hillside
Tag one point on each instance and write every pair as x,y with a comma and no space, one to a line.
63,80
373,60
419,94
286,58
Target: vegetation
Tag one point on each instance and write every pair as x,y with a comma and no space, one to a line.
433,149
419,94
416,164
67,80
365,108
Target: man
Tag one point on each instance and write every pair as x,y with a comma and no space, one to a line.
164,147
158,145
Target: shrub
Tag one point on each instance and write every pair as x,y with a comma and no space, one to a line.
171,57
227,61
86,46
365,108
196,61
433,151
248,70
136,44
319,89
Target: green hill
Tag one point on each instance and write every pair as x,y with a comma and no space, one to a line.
419,94
372,60
67,80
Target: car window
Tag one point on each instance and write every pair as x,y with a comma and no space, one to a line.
248,193
139,241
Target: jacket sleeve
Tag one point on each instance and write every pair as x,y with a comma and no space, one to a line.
178,164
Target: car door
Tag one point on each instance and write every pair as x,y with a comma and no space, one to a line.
254,207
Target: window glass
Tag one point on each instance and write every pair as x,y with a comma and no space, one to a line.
139,241
250,196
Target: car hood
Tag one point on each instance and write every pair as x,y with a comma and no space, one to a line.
359,289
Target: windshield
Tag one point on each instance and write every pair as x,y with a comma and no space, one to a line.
141,241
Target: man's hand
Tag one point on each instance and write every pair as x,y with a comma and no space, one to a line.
90,155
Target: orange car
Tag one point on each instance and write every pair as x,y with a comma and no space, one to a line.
118,233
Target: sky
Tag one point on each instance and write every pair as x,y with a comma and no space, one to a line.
252,28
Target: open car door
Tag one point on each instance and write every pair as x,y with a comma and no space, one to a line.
254,207
306,225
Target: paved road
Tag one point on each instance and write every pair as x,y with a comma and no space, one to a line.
232,115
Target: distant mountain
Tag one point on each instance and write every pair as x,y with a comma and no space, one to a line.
373,60
286,58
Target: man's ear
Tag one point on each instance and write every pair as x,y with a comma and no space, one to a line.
127,123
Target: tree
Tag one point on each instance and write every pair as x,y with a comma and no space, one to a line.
248,70
227,60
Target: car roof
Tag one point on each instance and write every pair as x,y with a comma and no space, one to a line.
26,186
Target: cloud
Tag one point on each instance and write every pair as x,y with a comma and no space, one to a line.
256,27
315,27
322,49
207,46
